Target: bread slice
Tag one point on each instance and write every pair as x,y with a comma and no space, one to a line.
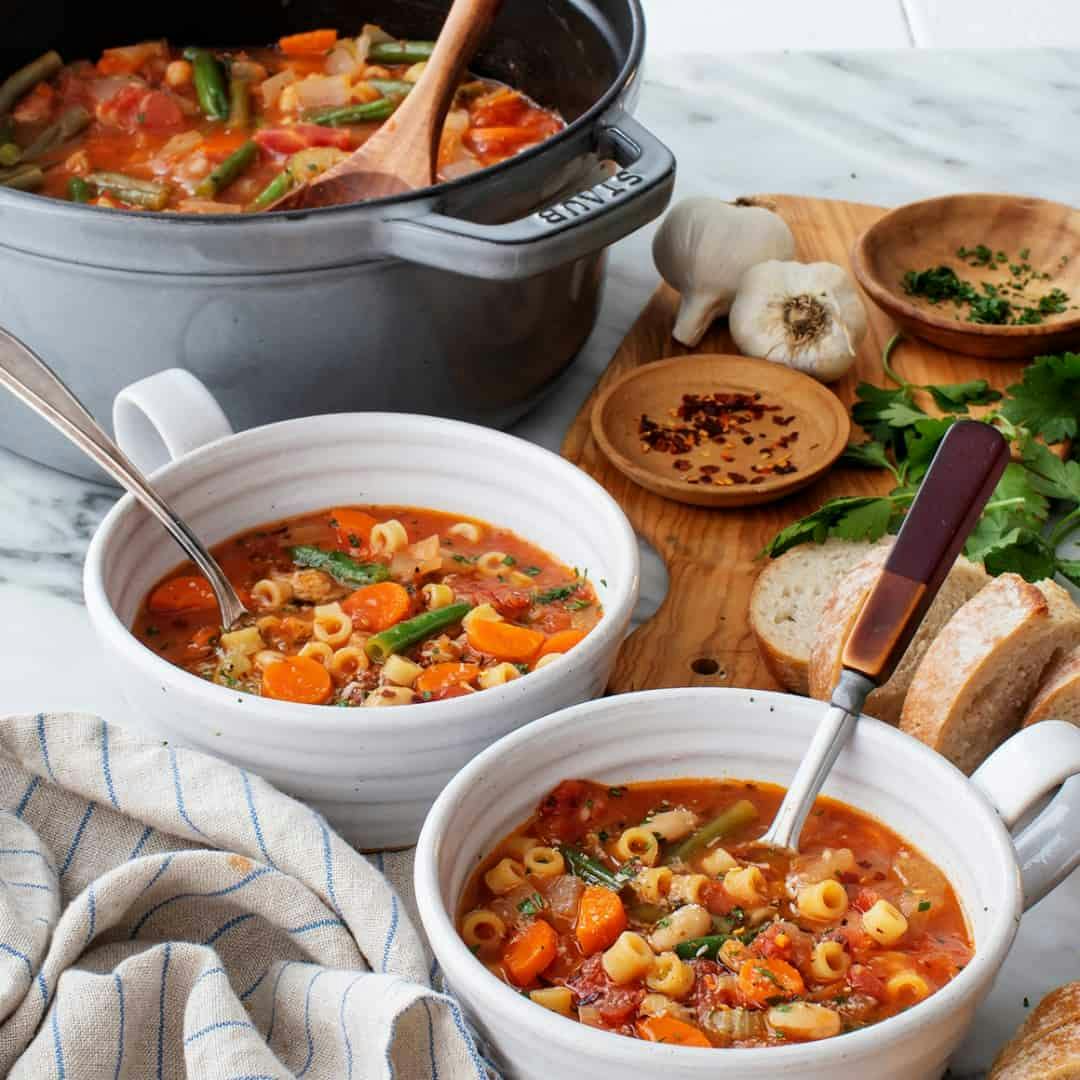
1059,695
1047,1045
964,580
787,600
977,678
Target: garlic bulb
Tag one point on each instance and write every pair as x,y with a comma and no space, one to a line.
805,315
705,246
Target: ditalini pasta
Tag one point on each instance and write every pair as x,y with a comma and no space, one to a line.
650,910
374,606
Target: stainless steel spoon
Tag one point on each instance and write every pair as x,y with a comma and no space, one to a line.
966,468
33,382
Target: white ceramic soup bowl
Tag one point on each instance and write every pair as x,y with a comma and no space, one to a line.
957,823
372,772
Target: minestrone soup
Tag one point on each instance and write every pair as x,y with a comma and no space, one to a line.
373,606
649,910
153,126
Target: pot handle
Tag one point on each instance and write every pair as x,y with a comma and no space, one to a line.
164,416
1016,778
564,232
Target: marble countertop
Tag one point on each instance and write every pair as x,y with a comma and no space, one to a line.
881,127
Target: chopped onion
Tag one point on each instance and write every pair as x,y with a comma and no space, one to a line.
271,88
177,147
564,894
343,59
463,166
109,86
736,1024
322,91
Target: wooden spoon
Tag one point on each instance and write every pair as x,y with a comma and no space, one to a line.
403,153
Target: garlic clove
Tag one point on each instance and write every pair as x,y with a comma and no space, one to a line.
697,312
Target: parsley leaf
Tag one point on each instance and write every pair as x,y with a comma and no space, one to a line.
1047,399
870,454
846,516
868,522
956,397
531,905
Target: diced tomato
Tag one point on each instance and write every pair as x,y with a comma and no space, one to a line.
121,109
297,137
130,58
715,898
565,813
864,981
502,108
592,986
865,899
158,111
712,987
511,603
784,941
552,620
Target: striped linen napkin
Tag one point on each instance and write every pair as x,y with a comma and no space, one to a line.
164,914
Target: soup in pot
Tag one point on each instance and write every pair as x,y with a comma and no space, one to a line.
649,910
373,606
156,127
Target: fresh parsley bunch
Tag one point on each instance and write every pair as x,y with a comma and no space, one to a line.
1012,533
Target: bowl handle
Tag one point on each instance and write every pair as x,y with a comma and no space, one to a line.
164,416
566,231
1016,778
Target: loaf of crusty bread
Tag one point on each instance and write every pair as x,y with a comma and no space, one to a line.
975,681
1059,695
786,604
1047,1045
838,616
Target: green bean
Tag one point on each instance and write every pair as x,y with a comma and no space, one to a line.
79,190
26,78
400,52
209,78
336,563
353,114
131,189
10,154
407,633
391,88
734,817
71,122
239,103
236,163
276,189
22,178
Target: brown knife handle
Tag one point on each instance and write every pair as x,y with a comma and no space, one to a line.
965,470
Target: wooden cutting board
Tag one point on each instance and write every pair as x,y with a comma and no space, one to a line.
700,636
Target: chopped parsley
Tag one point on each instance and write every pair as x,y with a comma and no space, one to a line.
560,592
662,923
578,605
616,792
924,905
532,571
464,558
509,560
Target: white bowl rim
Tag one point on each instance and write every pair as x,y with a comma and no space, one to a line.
277,715
596,1043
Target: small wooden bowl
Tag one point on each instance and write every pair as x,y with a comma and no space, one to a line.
928,233
655,389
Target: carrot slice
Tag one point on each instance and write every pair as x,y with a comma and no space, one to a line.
312,41
562,642
353,526
530,953
440,677
377,607
601,919
761,979
504,640
191,593
666,1029
297,678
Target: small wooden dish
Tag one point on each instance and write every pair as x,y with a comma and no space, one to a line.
928,233
654,390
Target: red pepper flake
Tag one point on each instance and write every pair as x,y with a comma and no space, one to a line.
701,419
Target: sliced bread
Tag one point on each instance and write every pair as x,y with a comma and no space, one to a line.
787,600
978,676
842,608
1059,695
1047,1045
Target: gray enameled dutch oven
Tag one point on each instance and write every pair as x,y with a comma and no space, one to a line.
462,300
